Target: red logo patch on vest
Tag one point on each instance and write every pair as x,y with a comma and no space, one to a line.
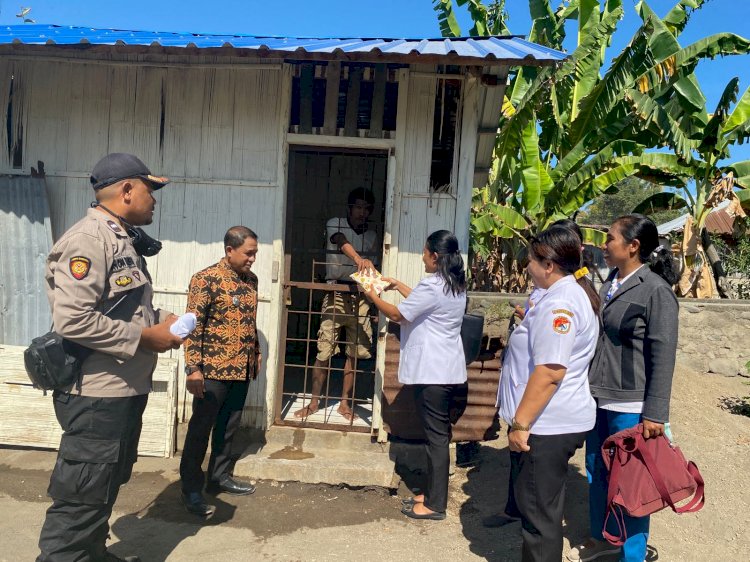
79,267
561,324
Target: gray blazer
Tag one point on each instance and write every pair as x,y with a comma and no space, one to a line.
635,355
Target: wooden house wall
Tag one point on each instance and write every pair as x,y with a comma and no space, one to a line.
420,211
216,132
220,134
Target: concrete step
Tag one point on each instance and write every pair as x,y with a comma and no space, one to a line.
317,456
307,438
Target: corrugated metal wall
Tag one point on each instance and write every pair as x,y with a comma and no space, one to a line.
25,241
479,420
215,131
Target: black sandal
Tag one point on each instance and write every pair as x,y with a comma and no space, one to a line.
434,516
409,502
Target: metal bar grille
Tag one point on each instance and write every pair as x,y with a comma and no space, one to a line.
318,390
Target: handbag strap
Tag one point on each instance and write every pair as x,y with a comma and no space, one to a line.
612,507
698,498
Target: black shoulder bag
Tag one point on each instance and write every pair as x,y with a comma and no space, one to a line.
472,329
54,363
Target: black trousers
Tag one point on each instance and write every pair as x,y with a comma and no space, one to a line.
219,410
98,448
434,403
539,478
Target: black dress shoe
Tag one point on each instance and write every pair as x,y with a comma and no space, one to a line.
229,485
434,516
196,505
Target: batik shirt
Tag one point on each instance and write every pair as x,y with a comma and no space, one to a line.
224,342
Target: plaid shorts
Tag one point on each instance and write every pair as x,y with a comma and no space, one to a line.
350,311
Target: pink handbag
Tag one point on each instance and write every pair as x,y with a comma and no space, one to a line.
645,476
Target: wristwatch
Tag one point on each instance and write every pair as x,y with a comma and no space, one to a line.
515,426
190,368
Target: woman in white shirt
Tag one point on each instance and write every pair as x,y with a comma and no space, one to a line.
544,391
432,358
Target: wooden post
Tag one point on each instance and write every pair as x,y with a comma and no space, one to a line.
352,101
307,75
467,146
331,114
378,101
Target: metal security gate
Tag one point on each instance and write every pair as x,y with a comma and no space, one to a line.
323,392
298,369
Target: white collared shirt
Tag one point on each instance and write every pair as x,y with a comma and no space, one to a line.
339,266
561,329
431,347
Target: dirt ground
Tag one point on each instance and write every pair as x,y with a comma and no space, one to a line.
293,521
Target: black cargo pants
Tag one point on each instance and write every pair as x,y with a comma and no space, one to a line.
98,448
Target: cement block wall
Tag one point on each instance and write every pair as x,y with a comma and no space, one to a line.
714,335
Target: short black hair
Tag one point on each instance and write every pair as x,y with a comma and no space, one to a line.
236,236
360,193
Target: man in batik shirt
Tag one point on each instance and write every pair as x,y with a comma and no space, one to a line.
222,355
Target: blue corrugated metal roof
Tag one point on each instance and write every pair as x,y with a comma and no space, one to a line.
489,49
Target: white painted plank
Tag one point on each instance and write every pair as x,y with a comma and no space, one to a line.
49,123
27,417
466,163
255,143
122,109
88,103
184,94
418,135
218,123
6,76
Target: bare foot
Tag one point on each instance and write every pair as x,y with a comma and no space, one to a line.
305,412
420,509
347,413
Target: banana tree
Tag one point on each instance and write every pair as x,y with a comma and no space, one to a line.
709,138
568,134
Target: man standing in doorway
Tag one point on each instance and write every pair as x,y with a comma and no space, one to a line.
95,264
347,240
221,356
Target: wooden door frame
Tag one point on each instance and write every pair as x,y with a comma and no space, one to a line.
325,143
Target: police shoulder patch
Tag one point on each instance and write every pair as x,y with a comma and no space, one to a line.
561,324
123,281
79,267
114,226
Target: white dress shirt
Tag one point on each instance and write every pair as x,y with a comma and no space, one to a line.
431,347
560,329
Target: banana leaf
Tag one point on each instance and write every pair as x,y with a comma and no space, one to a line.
447,18
736,126
593,236
670,132
744,196
741,172
536,180
664,201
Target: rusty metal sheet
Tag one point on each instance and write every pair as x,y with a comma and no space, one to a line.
479,420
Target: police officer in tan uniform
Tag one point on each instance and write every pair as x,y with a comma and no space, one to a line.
91,267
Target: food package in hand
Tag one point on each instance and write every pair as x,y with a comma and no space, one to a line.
370,279
183,325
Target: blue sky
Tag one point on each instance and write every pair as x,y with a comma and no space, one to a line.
370,18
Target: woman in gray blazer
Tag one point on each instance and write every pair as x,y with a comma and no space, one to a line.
631,374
